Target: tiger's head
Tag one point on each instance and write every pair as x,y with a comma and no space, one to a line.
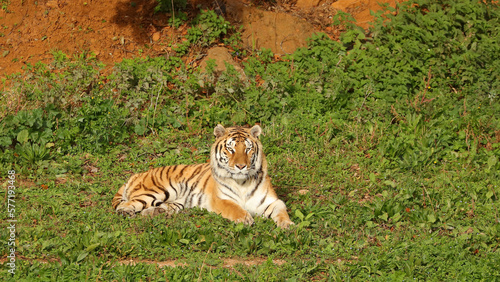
237,153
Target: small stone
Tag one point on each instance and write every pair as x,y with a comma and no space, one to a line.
156,36
52,4
221,55
307,3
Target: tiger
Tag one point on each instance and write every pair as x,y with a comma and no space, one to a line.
234,184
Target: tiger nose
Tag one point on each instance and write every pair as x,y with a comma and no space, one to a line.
240,166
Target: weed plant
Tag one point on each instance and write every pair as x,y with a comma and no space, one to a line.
170,5
384,146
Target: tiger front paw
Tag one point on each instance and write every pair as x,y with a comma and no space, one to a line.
285,224
126,211
152,211
247,219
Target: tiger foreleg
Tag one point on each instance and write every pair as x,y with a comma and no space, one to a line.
232,211
125,209
277,211
168,209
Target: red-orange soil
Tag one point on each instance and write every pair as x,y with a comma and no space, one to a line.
115,29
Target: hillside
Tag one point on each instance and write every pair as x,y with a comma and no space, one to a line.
117,29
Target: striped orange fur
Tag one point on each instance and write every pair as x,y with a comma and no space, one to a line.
234,184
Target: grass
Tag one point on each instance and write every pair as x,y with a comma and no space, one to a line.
385,153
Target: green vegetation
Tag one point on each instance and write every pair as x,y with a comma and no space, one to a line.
393,141
170,5
5,4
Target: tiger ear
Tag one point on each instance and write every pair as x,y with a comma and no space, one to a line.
255,131
219,131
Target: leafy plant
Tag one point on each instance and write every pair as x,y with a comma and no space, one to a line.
98,124
208,28
28,134
170,5
74,79
178,19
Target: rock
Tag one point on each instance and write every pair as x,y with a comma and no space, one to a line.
307,3
360,9
343,5
156,36
281,32
221,56
52,4
95,51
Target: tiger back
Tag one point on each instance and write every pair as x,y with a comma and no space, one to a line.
234,184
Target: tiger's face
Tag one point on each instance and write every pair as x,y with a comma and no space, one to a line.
237,152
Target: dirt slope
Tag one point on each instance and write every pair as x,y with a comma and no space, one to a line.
115,29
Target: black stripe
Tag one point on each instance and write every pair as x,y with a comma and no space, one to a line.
116,203
144,204
189,202
161,173
147,189
184,189
134,188
227,187
205,184
191,188
200,176
215,174
147,195
174,168
223,168
153,178
181,172
257,185
172,186
199,200
207,168
178,205
134,180
195,172
167,195
267,209
156,203
271,214
195,184
262,201
168,170
260,174
229,196
253,191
